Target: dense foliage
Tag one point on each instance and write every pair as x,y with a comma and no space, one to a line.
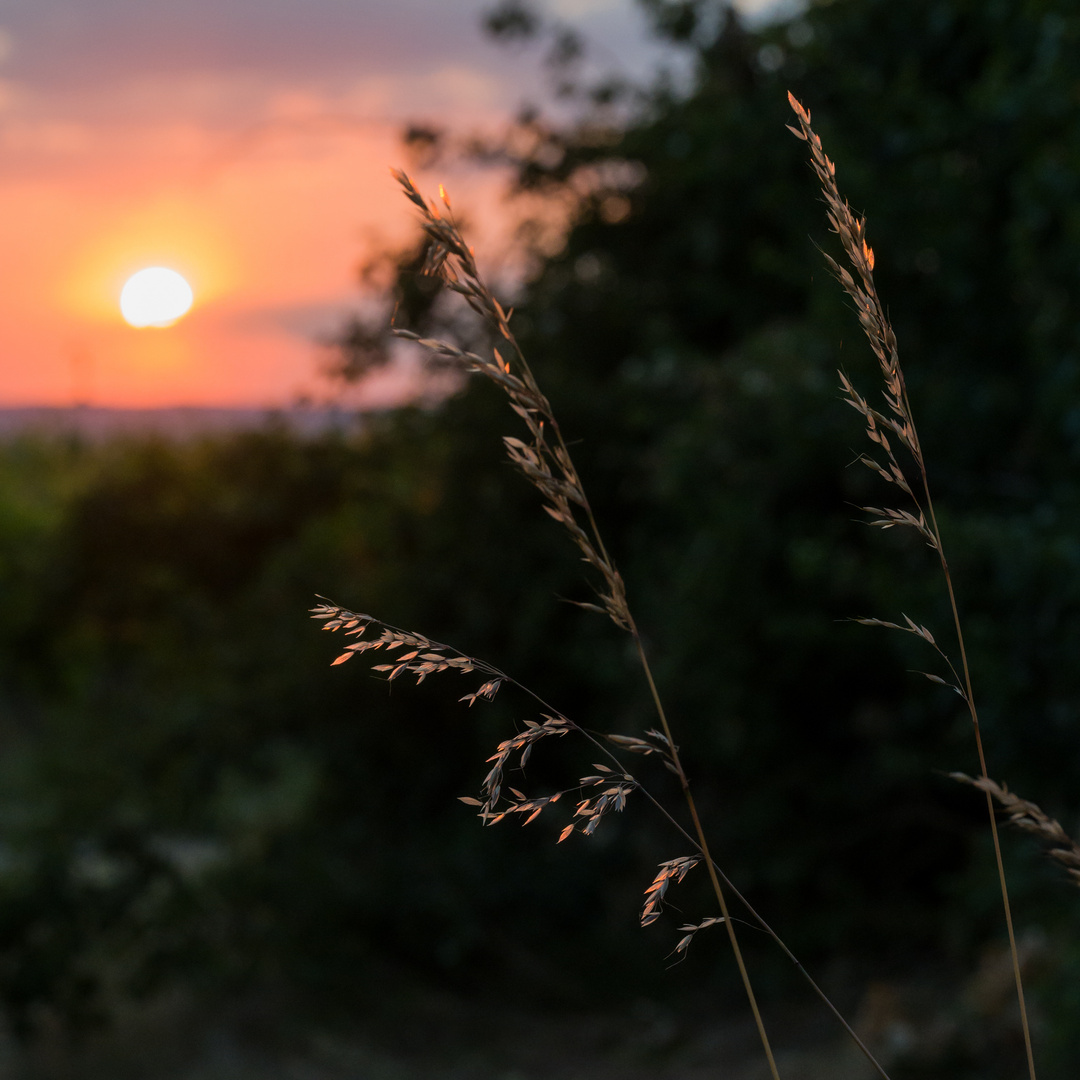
188,787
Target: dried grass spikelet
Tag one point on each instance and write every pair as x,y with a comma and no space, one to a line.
670,870
544,459
597,795
423,657
674,870
912,627
1030,817
879,426
610,786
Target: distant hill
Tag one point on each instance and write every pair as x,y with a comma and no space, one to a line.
178,422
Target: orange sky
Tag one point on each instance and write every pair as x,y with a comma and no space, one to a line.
244,143
268,241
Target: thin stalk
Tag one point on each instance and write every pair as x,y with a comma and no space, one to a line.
703,845
991,813
779,941
543,466
970,698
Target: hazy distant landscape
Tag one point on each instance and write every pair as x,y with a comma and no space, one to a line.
176,422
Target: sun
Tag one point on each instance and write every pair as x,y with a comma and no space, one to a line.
156,296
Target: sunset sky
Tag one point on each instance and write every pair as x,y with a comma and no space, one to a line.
245,144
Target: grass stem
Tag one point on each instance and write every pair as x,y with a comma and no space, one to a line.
703,845
899,423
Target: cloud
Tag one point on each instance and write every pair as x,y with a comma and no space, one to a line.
67,45
79,51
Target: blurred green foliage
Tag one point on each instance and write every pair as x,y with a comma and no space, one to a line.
188,787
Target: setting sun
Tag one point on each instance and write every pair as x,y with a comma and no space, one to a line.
155,296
